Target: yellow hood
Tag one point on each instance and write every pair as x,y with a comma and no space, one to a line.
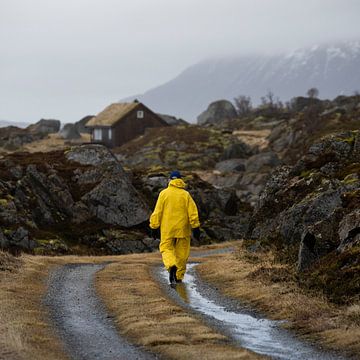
179,183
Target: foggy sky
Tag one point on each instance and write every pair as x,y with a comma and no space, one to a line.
66,59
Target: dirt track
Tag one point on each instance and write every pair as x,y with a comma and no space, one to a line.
81,320
88,333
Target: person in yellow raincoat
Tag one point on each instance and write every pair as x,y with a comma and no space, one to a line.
176,215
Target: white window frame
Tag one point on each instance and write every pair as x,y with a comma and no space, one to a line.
140,114
110,134
97,134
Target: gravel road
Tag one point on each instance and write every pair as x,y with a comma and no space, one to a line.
81,320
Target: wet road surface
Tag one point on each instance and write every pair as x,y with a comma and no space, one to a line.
247,329
81,320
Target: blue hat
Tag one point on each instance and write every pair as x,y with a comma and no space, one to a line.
175,175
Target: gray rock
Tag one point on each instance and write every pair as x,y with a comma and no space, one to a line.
115,202
262,162
349,230
92,154
216,112
45,126
172,120
238,150
307,254
20,238
81,125
231,165
70,132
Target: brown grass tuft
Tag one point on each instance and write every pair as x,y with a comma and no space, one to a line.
9,262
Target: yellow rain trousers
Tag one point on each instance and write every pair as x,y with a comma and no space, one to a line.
175,213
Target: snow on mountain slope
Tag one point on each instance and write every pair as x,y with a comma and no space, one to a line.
333,69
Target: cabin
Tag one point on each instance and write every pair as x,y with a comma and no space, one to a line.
121,122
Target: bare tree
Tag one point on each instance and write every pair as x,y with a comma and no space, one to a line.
269,99
313,93
270,102
243,105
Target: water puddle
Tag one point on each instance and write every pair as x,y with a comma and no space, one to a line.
260,335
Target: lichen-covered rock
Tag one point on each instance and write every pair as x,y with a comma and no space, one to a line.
310,210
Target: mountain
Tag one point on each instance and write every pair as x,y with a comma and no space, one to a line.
332,69
5,123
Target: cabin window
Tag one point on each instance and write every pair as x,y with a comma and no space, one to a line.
140,114
110,134
97,134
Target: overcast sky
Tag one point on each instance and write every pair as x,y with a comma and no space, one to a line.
65,59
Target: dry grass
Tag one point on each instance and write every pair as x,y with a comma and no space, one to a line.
53,142
9,262
24,330
254,137
258,281
147,317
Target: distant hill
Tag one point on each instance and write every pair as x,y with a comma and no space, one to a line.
4,123
333,69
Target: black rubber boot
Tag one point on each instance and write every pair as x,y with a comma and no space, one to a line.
172,275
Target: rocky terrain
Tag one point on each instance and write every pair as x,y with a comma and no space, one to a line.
310,213
82,201
12,137
284,177
50,202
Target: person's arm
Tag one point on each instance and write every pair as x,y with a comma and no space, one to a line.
155,218
193,213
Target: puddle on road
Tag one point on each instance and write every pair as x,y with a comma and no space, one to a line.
260,335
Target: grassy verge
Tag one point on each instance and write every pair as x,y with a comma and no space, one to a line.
257,280
147,317
24,330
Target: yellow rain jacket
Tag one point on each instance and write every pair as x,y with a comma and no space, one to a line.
175,212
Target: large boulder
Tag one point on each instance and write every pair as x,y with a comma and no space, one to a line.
66,196
45,126
70,132
217,112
